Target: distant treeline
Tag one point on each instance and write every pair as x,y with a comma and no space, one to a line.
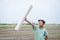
23,24
15,23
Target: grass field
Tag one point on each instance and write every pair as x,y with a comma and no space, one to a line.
26,32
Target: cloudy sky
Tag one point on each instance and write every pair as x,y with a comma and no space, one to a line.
12,10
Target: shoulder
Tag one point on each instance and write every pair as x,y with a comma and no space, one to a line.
35,27
45,29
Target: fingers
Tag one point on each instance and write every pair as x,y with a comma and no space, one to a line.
25,19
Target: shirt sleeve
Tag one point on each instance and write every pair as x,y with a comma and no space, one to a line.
35,27
46,33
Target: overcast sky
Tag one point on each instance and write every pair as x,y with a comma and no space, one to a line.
12,10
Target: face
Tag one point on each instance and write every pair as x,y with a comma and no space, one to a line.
40,23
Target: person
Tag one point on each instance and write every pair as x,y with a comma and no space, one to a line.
40,31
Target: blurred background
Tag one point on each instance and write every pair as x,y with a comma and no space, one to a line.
12,10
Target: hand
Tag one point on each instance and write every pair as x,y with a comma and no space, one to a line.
29,22
25,19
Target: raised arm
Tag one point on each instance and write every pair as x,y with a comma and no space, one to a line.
29,22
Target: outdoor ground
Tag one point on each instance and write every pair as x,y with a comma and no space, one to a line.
7,32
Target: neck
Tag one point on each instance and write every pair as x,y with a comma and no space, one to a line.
40,26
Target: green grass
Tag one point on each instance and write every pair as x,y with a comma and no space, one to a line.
14,25
7,26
